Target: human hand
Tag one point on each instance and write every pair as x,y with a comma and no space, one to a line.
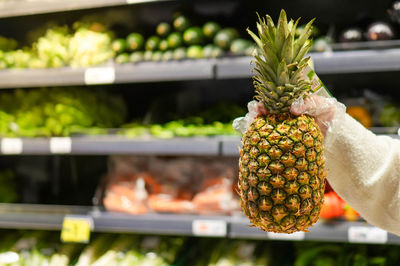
321,108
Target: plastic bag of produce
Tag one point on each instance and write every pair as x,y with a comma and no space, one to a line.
216,194
173,187
124,187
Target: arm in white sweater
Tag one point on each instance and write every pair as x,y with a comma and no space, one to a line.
364,169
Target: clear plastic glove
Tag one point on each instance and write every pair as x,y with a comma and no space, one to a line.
325,110
241,124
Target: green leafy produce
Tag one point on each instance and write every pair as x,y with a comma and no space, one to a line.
225,37
390,116
174,40
163,29
152,43
122,58
210,29
88,48
8,188
119,45
134,41
194,52
193,35
7,44
136,57
58,111
181,23
52,48
163,45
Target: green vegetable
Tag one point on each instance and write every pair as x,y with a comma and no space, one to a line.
122,58
157,56
167,56
163,29
208,50
181,23
119,45
174,40
134,41
239,46
163,45
193,35
210,29
194,52
152,43
179,53
148,55
136,57
225,37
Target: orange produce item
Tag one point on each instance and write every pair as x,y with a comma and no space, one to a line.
350,214
167,203
333,206
360,114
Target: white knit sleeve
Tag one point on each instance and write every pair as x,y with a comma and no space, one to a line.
364,169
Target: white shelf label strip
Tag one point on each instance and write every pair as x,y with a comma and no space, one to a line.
99,75
366,234
11,146
209,228
60,145
280,236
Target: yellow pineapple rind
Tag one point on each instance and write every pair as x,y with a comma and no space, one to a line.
283,216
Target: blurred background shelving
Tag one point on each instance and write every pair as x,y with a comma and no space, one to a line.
79,126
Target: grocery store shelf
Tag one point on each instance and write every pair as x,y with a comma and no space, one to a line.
110,144
13,8
114,144
50,217
338,62
109,74
224,68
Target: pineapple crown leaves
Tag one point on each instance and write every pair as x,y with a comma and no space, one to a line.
279,62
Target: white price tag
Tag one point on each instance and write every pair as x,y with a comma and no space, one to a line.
136,1
11,146
60,145
280,236
99,75
367,234
209,228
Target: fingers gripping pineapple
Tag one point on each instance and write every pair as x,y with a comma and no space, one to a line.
281,176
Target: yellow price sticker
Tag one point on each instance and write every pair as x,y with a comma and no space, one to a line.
76,229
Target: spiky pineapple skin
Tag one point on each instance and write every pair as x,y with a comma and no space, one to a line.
281,172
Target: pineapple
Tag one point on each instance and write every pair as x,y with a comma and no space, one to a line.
281,165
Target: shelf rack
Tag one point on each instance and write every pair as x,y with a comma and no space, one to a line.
202,69
11,8
50,217
114,144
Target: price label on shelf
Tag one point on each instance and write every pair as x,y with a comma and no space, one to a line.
294,236
76,228
209,228
11,146
366,234
60,145
136,1
99,75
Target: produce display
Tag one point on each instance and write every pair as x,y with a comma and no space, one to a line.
139,185
282,175
37,248
179,40
58,112
86,45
